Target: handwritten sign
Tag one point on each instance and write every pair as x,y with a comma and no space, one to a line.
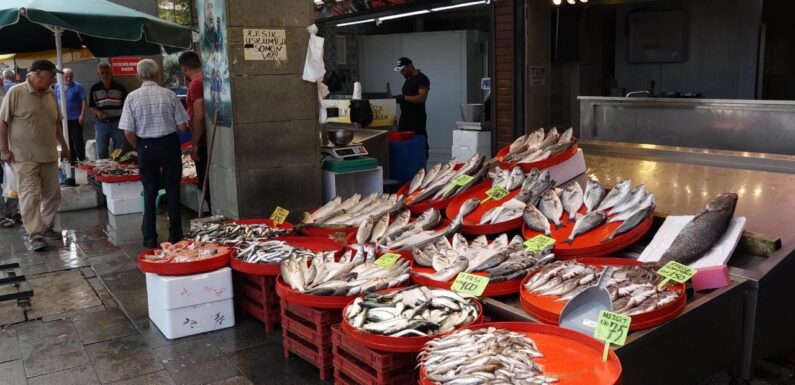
264,44
496,193
675,271
538,243
279,215
387,260
470,284
612,328
461,180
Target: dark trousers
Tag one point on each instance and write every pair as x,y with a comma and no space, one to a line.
415,122
156,157
77,146
201,169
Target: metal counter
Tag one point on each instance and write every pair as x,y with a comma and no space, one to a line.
740,125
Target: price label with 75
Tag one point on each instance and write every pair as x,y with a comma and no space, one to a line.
612,328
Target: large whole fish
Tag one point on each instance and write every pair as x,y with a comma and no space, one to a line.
587,223
551,206
536,220
572,199
353,211
617,194
537,145
594,193
700,234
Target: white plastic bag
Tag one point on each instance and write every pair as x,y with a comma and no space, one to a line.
314,67
9,182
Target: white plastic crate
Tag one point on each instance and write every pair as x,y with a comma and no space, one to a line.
462,153
569,169
125,223
172,292
122,190
470,138
196,319
124,206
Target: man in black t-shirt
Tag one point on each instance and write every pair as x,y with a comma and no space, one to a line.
412,101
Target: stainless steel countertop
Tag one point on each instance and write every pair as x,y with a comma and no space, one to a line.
690,100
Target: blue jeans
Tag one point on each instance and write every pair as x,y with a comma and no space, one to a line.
104,131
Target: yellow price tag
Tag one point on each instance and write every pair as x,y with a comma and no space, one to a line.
612,328
387,260
115,154
461,180
470,284
279,215
496,193
538,243
675,271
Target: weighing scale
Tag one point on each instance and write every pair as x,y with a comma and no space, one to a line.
352,150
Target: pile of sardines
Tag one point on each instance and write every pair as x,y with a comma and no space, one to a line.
274,251
537,146
352,211
532,185
233,233
416,311
484,356
633,289
622,203
350,275
436,183
502,259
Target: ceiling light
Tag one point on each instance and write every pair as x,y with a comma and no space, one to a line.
355,22
556,2
458,5
404,15
572,2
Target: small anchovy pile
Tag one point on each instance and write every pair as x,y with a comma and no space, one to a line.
435,184
501,259
484,356
633,289
351,275
273,251
537,146
380,231
532,186
233,234
353,211
411,312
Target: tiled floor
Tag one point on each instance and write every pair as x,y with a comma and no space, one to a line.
88,322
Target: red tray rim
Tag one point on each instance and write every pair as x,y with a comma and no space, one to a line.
261,221
492,290
546,163
117,179
274,268
184,268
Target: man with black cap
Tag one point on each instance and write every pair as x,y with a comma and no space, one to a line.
30,131
412,101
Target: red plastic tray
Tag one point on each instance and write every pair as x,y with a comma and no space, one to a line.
492,290
326,232
262,221
546,163
397,136
118,179
184,268
420,208
86,167
547,309
572,357
593,243
395,344
312,243
470,224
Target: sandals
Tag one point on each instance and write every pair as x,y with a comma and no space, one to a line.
7,223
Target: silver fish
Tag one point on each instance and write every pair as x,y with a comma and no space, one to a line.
551,206
701,233
619,192
594,194
535,220
379,228
567,135
431,175
572,199
365,229
648,201
587,223
515,179
634,198
632,222
416,182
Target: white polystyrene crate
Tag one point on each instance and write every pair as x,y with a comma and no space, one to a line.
123,190
125,223
196,319
172,292
124,206
466,152
568,170
471,138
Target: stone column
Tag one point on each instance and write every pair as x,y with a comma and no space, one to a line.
270,155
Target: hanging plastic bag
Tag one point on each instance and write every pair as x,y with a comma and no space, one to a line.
9,182
314,67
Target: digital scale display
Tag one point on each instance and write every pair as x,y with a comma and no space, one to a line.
344,152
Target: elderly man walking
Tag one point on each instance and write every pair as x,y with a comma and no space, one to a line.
75,114
30,130
150,119
106,99
9,80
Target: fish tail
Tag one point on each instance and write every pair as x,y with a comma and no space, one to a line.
569,241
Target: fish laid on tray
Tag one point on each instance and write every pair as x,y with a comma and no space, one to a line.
185,251
484,356
700,234
435,184
633,289
380,231
416,311
353,211
232,233
502,259
537,146
274,251
348,276
417,237
532,187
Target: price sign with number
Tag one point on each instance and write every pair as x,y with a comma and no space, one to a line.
675,271
115,154
470,284
496,193
538,243
387,260
461,180
279,215
612,328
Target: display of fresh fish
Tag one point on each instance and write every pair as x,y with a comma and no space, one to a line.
538,145
700,234
617,194
572,199
587,223
232,233
535,220
271,251
355,210
635,197
416,182
431,175
185,251
379,228
441,187
647,202
567,135
515,179
594,194
551,206
365,229
633,221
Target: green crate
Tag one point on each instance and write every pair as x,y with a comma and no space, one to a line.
350,165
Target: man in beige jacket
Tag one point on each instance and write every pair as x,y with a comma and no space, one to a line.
30,131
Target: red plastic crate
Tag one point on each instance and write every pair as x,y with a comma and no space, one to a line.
360,374
259,287
256,296
321,358
312,315
316,334
268,315
376,360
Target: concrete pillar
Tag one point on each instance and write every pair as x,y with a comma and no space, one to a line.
538,54
270,156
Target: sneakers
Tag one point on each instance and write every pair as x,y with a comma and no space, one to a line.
36,244
49,233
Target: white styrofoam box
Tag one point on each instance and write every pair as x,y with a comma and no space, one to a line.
81,176
79,198
471,138
122,190
568,170
91,150
462,153
124,206
172,292
196,319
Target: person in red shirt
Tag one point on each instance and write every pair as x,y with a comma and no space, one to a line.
191,66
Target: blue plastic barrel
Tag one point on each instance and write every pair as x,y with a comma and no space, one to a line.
406,157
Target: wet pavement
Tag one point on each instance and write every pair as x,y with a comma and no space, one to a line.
88,322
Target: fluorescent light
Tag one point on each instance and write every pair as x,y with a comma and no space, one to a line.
557,2
355,22
458,5
404,15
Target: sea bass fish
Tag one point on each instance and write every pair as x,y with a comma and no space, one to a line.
700,234
551,206
633,221
535,220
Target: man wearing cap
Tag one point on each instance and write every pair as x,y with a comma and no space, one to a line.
75,113
412,101
30,131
